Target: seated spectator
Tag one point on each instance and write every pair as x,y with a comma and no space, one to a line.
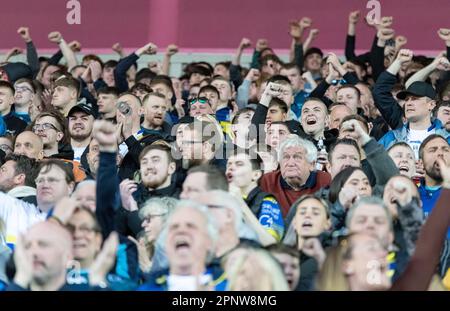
244,172
17,178
289,260
403,156
54,181
296,175
14,125
256,270
190,236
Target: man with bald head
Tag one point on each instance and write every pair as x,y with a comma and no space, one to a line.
29,144
337,113
41,258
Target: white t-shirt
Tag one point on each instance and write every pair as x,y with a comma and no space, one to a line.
77,153
415,139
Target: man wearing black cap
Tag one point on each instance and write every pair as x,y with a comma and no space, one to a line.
81,119
419,101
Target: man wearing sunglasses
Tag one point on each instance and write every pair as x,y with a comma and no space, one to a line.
199,106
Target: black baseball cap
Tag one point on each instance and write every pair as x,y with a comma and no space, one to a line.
419,89
84,107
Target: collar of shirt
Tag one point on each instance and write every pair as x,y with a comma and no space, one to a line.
309,184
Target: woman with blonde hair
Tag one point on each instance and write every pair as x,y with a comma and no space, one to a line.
255,270
154,214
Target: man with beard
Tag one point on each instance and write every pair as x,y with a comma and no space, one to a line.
156,169
81,118
17,177
442,112
434,152
155,108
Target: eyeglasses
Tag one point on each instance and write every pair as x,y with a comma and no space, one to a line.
44,127
49,180
148,218
201,100
336,82
21,89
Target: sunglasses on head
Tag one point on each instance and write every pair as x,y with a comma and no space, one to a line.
201,100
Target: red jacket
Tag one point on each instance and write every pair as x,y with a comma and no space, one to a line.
273,183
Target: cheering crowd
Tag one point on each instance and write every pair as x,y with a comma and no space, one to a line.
318,174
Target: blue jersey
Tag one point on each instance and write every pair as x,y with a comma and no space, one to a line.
271,218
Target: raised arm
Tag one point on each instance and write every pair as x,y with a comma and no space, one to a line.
120,74
32,57
311,37
440,63
67,52
107,181
353,19
384,101
13,52
423,263
261,44
171,50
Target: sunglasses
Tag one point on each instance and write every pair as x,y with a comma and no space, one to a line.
201,100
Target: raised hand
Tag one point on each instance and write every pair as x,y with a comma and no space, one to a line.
385,34
444,169
313,248
245,43
444,34
105,133
179,104
171,50
313,33
96,70
305,22
65,208
143,255
75,46
127,188
353,17
353,129
15,51
347,197
295,30
24,32
23,263
404,56
400,41
253,75
117,47
55,37
261,44
149,48
104,260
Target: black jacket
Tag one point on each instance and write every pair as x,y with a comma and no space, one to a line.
129,223
14,125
